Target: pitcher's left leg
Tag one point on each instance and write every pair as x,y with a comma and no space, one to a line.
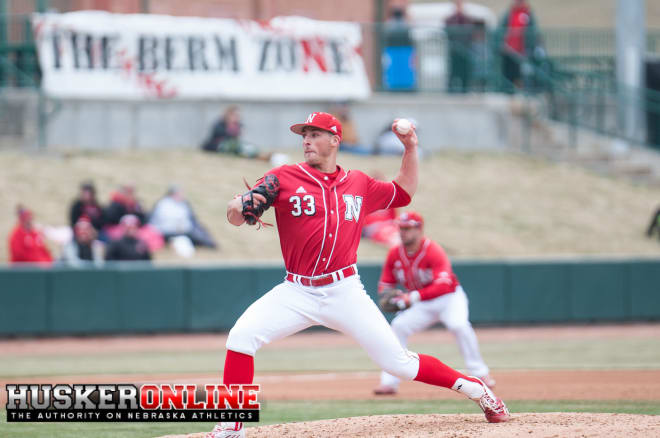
350,310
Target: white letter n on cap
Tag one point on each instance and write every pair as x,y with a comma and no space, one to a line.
353,207
310,118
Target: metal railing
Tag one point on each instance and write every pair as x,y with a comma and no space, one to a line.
571,73
481,50
17,49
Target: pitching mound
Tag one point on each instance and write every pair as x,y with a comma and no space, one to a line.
563,425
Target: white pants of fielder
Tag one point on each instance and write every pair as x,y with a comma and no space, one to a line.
450,309
343,306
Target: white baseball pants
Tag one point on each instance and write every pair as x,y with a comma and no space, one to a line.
343,306
450,309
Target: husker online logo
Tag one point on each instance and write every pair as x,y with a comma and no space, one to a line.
126,402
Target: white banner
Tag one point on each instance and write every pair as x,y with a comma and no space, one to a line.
93,54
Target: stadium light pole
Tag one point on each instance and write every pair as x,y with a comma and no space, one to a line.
630,51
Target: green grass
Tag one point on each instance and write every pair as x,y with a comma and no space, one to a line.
639,353
290,411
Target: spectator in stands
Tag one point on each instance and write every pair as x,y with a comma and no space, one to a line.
87,205
349,139
397,29
398,58
226,133
123,202
26,242
226,138
460,30
516,36
174,217
84,247
654,226
380,226
129,246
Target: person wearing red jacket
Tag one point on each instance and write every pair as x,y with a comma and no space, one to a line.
518,40
26,244
433,295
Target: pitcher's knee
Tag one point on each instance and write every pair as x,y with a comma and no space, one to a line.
243,340
405,366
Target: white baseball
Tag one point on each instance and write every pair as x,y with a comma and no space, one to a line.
403,126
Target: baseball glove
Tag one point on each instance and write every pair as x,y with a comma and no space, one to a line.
392,300
253,209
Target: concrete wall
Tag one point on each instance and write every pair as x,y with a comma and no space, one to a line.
18,118
443,121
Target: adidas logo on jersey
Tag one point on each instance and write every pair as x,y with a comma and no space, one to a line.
301,189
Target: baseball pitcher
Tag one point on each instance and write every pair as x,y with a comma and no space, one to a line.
320,209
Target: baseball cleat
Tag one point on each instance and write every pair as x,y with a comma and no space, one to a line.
488,380
493,406
385,390
232,429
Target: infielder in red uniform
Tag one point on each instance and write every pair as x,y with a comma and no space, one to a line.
320,209
433,294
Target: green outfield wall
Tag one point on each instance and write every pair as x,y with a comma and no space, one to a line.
145,299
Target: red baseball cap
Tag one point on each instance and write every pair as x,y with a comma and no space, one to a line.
410,219
324,121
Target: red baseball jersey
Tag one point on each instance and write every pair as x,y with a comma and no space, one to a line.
428,271
320,216
28,246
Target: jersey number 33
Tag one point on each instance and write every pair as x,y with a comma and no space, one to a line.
304,204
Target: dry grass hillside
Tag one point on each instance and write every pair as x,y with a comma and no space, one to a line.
476,204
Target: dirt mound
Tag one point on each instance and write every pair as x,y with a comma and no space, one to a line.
565,425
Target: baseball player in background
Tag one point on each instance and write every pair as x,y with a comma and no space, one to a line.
320,209
433,294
